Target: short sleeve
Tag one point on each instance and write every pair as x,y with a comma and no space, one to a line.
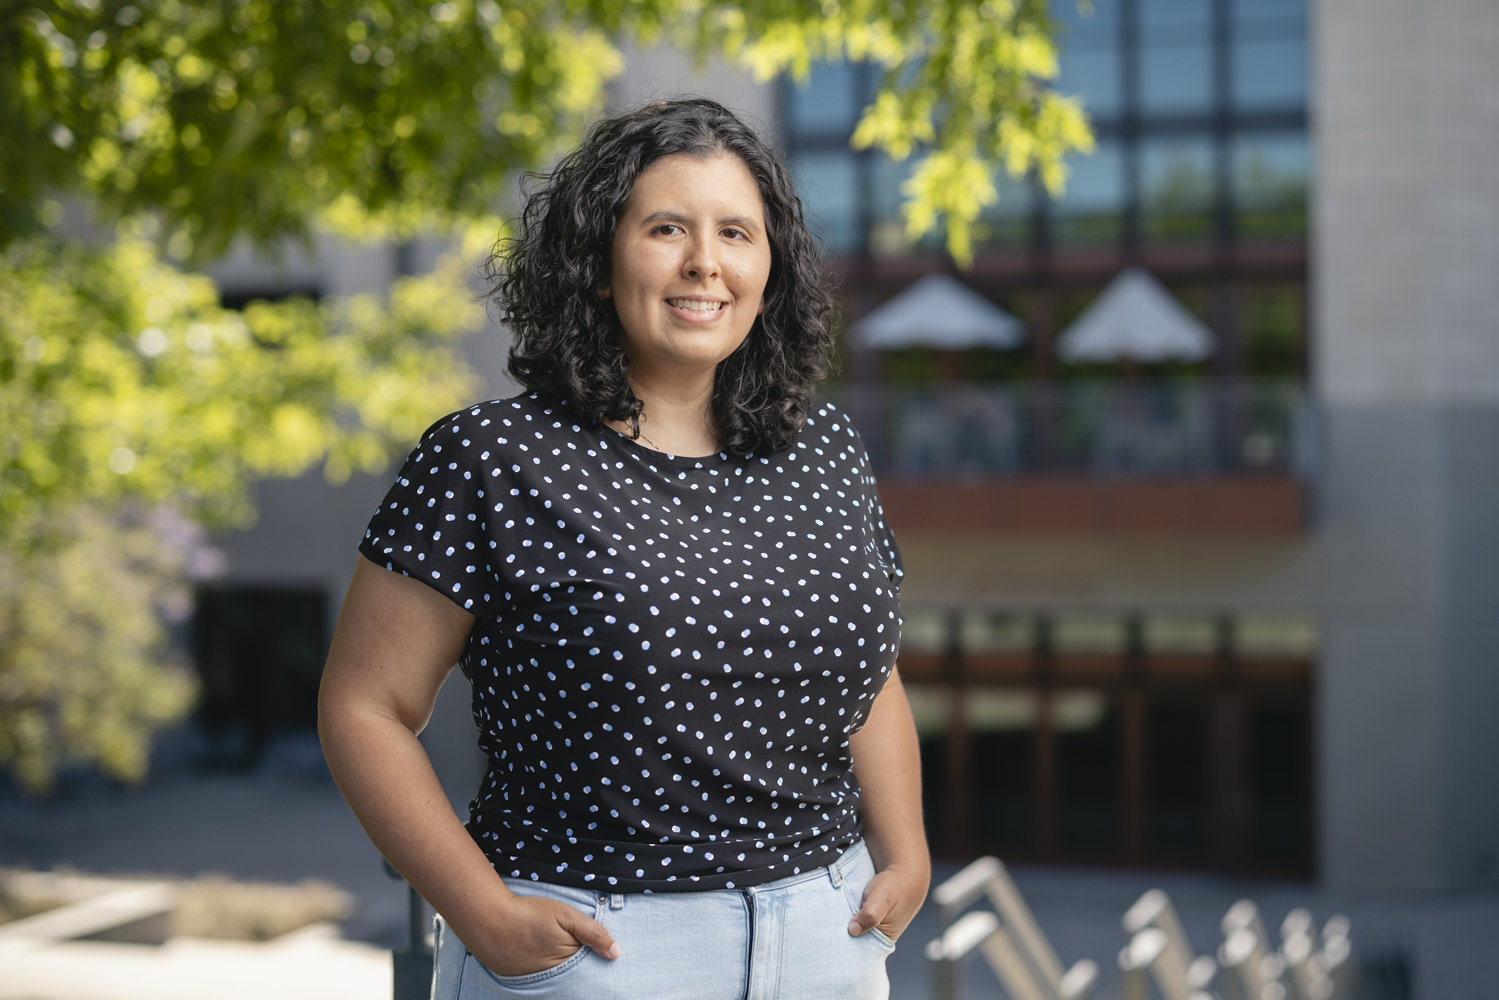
877,529
432,524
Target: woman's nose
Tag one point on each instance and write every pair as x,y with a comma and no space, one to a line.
700,262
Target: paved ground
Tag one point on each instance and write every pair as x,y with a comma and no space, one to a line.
293,825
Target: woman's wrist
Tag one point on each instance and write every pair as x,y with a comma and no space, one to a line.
483,907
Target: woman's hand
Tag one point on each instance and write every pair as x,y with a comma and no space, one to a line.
891,900
532,934
887,762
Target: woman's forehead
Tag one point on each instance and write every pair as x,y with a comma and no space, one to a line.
729,174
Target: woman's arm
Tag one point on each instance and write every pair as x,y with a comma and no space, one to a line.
396,642
887,762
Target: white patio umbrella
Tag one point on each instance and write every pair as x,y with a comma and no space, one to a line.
938,311
1135,319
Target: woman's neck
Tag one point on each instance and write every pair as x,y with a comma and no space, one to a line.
678,420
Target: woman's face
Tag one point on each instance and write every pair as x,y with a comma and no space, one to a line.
689,264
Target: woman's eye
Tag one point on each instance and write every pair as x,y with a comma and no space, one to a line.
736,234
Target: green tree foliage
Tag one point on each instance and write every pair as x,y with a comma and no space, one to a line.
265,118
143,138
132,399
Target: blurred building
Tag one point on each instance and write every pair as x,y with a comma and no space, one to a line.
1236,609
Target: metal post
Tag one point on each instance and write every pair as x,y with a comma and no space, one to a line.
411,966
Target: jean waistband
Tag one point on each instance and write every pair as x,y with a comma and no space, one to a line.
837,871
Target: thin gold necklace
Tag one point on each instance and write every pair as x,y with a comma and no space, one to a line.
641,436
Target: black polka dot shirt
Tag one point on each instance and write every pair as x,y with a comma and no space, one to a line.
669,654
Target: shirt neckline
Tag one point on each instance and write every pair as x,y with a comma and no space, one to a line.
656,455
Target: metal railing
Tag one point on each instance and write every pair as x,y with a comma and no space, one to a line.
1125,427
1007,936
1308,962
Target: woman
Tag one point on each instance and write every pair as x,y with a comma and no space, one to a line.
667,575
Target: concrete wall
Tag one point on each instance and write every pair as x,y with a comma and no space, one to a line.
663,72
1406,315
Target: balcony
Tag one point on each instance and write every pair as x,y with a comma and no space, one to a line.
1127,456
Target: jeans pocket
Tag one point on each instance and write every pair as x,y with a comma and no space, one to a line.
479,981
881,938
531,980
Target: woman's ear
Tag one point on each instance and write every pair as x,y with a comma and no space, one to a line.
606,292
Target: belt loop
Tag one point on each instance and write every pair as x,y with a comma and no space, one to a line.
836,873
616,901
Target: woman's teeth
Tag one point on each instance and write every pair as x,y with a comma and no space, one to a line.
694,305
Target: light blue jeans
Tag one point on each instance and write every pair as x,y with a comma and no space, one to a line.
784,940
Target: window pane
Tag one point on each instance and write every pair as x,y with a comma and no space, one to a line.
1269,60
887,226
1088,633
1002,767
1176,189
1277,635
1278,758
1006,223
1091,209
1088,752
1174,15
1269,73
986,633
829,188
1088,67
259,651
1099,17
925,630
1250,13
1176,78
1270,175
1180,634
1272,326
1088,47
1176,56
824,103
1177,798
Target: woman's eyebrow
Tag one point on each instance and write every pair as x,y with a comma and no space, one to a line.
663,215
743,222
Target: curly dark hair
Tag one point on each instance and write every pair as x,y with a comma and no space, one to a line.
568,341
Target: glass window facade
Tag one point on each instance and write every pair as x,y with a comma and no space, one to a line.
1079,734
1199,108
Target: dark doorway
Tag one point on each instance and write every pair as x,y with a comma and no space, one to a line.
260,654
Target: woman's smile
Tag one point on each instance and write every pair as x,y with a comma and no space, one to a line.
706,308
